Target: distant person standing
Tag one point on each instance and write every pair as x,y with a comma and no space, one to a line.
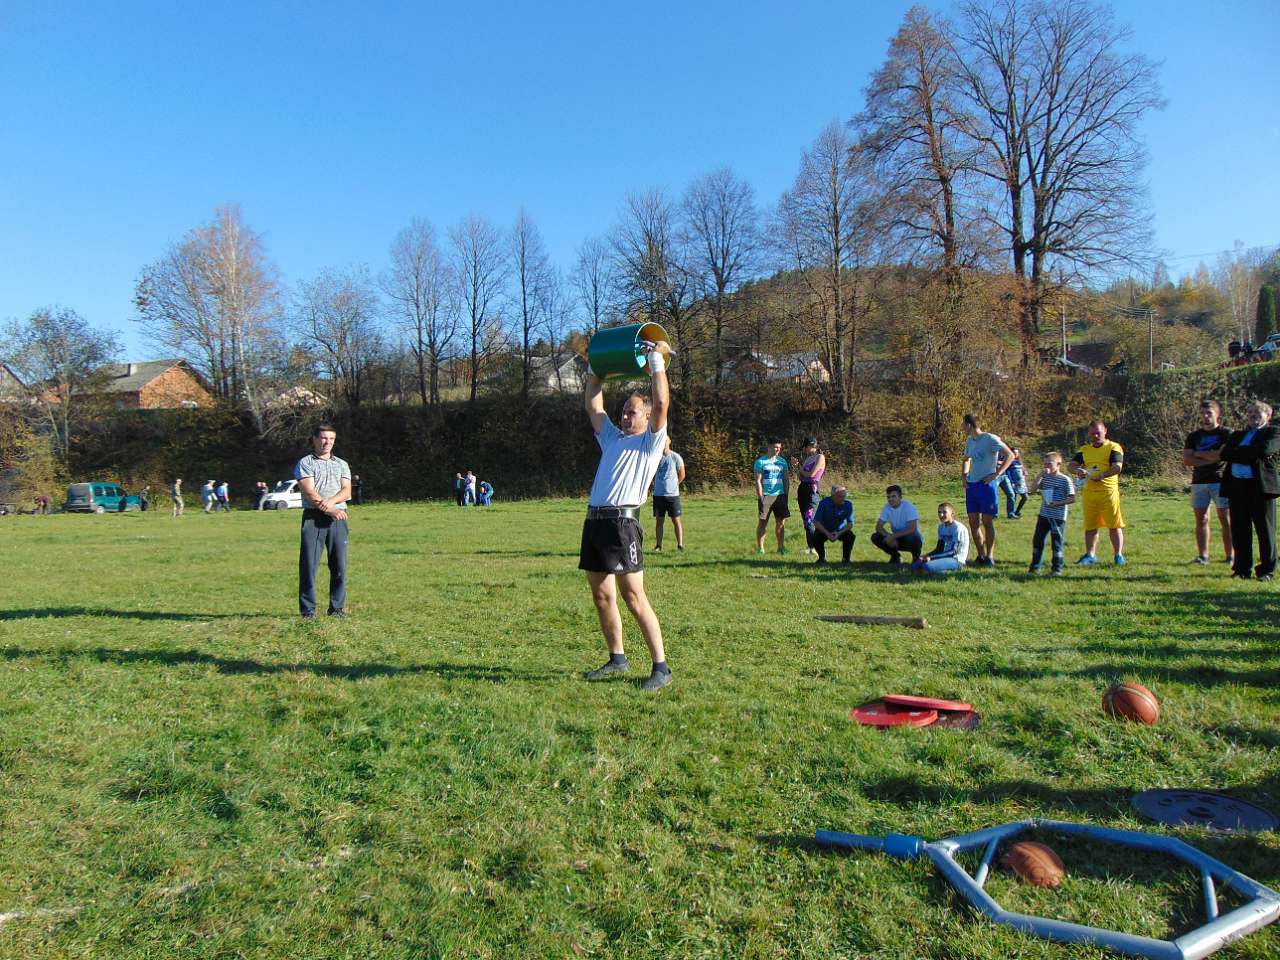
772,473
175,492
470,498
1057,493
357,489
811,466
224,496
207,496
1014,487
144,499
325,481
1100,462
459,488
833,520
1252,483
1206,478
986,458
666,495
261,489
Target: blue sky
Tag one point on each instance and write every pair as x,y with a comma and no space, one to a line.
332,125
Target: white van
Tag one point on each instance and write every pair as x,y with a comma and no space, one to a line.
284,495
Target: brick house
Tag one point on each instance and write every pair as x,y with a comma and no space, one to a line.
155,385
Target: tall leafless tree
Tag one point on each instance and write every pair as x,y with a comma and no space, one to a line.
719,212
1058,104
593,282
338,316
214,298
421,288
1238,275
656,279
480,273
531,270
827,229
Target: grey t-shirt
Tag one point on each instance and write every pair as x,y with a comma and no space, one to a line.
984,451
666,482
327,475
627,466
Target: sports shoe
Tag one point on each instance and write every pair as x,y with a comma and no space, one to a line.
1087,560
782,548
986,562
1120,560
759,549
1201,560
1265,578
600,673
657,548
679,546
340,614
820,561
657,680
1034,568
1055,572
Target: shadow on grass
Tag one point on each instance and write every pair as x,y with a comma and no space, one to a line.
41,613
334,671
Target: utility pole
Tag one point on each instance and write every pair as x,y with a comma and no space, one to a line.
1151,340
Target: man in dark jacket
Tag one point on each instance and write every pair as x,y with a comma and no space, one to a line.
1251,482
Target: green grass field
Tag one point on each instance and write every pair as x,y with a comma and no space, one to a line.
190,770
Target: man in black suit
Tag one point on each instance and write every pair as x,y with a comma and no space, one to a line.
1251,482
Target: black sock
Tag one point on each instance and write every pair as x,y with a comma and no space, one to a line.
617,658
661,667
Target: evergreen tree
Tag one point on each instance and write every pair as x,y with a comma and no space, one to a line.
1266,324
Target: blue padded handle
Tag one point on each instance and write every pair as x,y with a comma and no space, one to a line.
894,844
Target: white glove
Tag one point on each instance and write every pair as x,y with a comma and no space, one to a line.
657,362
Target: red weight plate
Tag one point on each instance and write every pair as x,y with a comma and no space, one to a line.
925,703
877,713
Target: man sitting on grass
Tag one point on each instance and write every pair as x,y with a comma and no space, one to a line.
952,551
833,520
898,527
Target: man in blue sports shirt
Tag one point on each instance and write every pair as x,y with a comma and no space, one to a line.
772,473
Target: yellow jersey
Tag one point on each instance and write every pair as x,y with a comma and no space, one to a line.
1101,458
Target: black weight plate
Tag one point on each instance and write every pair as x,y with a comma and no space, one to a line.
1203,808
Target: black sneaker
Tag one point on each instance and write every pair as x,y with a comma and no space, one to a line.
657,680
309,616
340,614
610,668
1264,578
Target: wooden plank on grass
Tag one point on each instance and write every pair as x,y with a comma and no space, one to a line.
866,618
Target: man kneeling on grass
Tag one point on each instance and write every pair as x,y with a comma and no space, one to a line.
611,535
833,520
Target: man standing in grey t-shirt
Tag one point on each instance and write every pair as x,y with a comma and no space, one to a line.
666,495
325,482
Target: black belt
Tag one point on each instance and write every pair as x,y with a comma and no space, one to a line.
613,513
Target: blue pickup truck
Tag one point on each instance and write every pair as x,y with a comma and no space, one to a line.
100,496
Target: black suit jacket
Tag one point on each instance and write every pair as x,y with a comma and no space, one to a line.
1263,455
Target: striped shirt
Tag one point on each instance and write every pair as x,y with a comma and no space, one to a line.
1055,488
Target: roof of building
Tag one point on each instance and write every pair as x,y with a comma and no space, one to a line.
132,377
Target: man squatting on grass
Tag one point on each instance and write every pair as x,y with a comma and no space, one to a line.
986,458
325,482
611,535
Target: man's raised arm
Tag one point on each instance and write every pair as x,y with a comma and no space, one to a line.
595,402
660,393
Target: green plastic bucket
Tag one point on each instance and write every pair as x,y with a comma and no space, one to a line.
618,351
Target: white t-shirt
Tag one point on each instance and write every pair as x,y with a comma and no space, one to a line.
627,466
898,517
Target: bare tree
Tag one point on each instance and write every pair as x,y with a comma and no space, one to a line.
827,229
62,361
337,316
480,273
720,214
531,272
214,298
421,287
655,277
1058,107
1238,275
593,280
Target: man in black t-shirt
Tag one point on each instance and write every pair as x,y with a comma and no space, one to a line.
1206,478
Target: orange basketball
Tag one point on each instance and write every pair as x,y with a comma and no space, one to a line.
1131,701
1035,863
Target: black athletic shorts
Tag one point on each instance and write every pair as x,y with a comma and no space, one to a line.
666,506
612,546
777,505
